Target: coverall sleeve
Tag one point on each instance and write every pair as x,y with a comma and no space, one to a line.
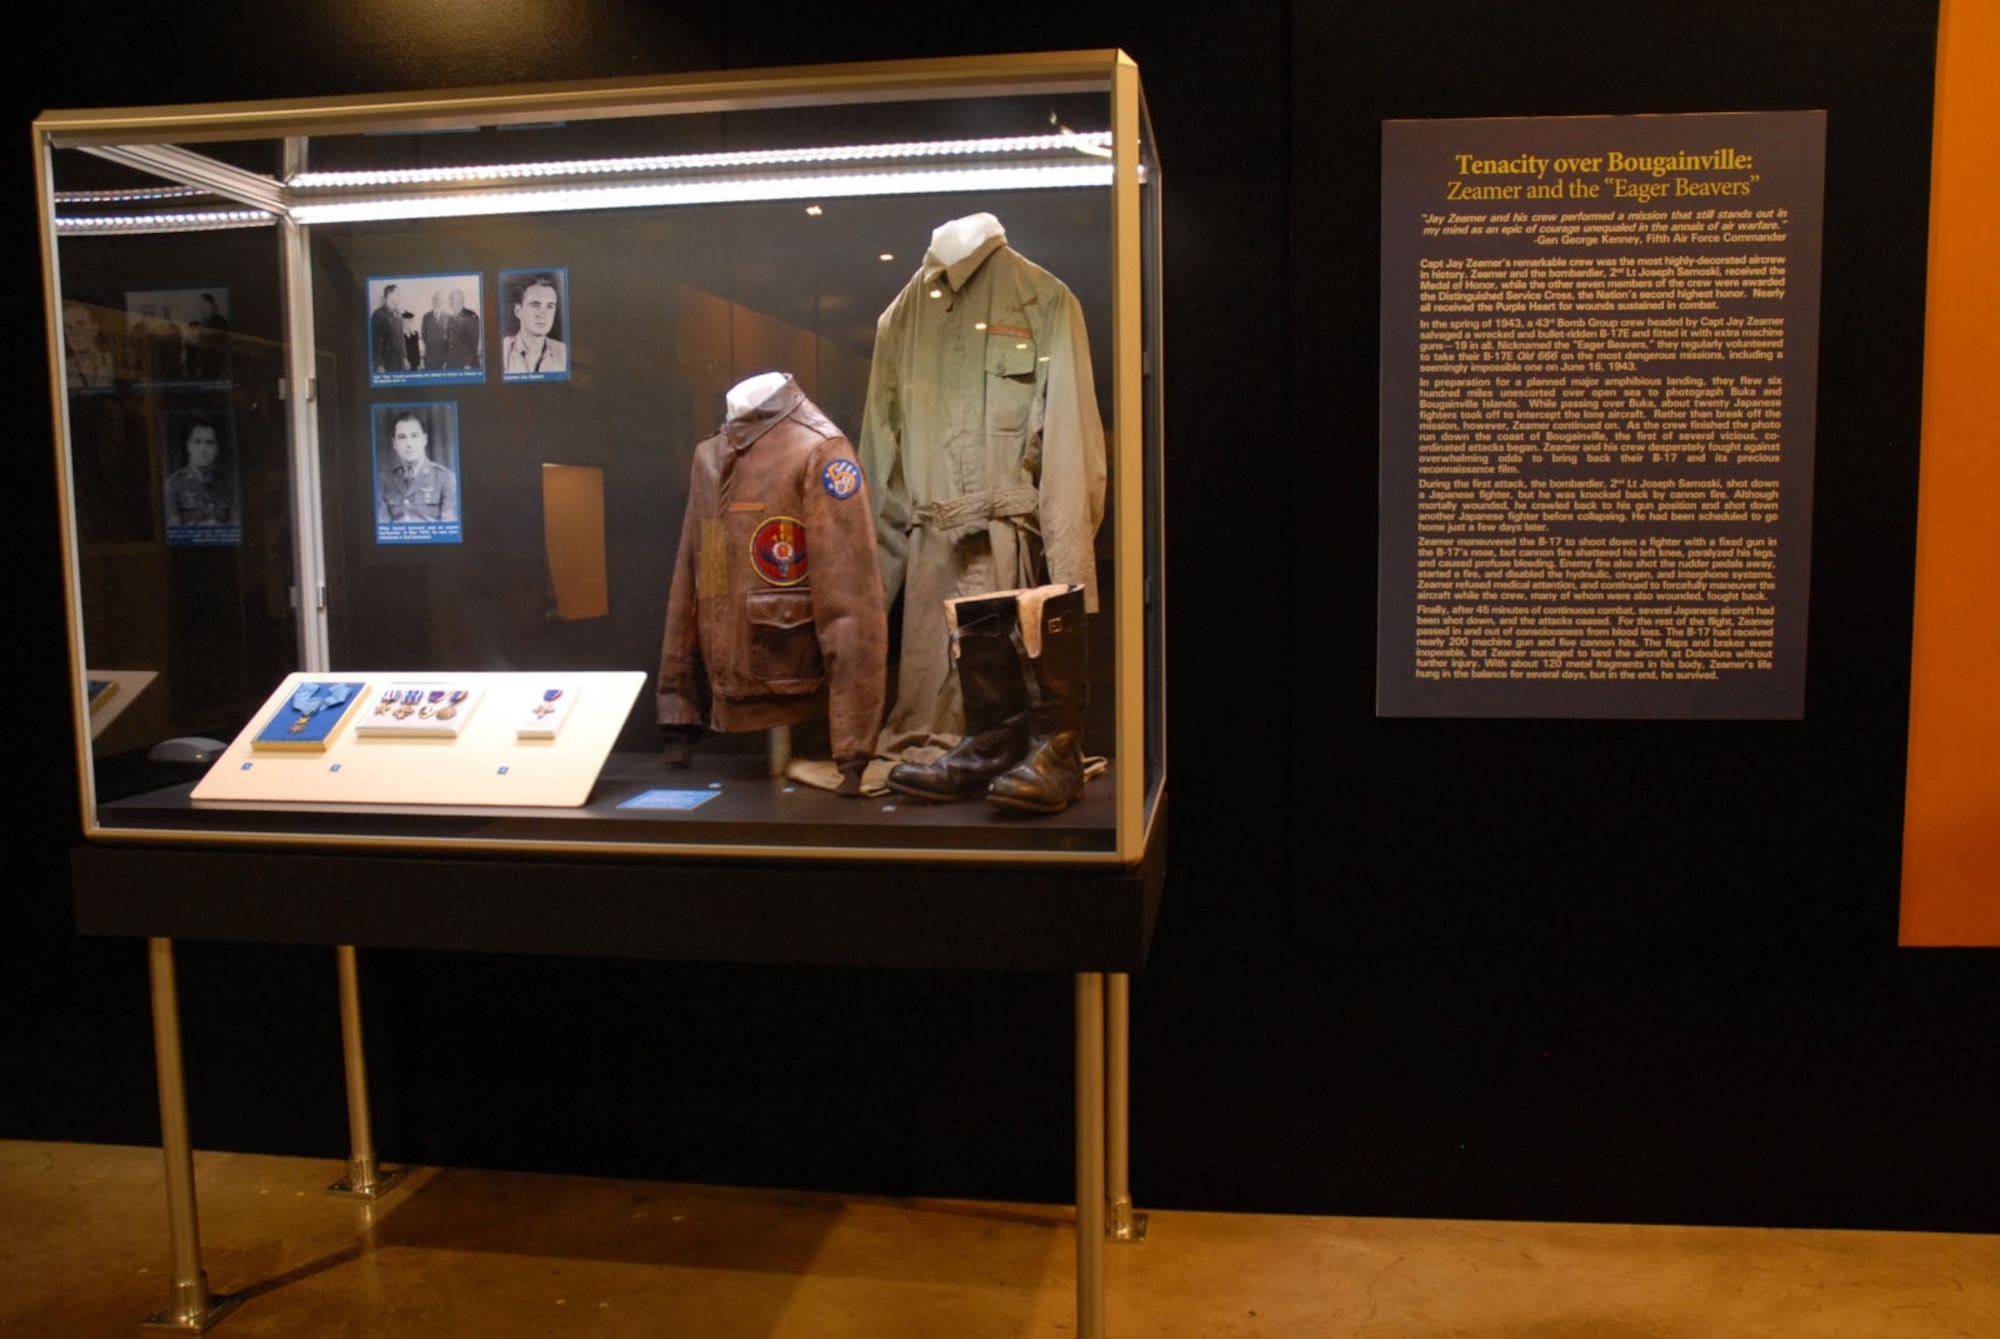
881,454
1071,486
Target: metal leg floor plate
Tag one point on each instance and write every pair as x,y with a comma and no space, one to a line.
164,1321
383,1184
1124,1223
374,1189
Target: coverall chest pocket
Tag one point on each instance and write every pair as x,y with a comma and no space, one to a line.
784,644
1010,381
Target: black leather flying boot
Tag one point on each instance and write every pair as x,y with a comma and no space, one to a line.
996,704
1055,661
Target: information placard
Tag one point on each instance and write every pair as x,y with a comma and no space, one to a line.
486,763
1599,351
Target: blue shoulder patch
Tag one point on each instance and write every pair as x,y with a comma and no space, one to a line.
841,479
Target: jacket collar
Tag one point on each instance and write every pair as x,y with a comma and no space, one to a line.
743,432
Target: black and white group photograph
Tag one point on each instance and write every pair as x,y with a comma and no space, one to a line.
178,335
425,327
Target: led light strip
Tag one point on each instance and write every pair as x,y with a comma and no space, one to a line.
111,225
130,193
1095,143
711,192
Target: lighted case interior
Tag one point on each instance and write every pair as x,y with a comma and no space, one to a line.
220,266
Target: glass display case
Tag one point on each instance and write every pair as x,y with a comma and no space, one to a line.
763,464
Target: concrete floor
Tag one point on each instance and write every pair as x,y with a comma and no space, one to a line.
83,1252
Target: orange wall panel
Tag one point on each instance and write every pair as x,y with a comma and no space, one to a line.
1951,830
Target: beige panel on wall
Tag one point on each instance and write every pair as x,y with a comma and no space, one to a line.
573,537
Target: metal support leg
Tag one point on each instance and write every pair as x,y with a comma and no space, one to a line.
1090,1155
778,748
1124,1224
190,1309
364,1179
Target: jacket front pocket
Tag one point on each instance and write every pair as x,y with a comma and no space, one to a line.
1010,382
784,644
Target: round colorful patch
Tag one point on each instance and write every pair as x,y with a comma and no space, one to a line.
778,551
841,479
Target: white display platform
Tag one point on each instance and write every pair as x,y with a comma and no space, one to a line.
126,685
486,764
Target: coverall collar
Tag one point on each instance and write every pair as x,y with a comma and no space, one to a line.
957,273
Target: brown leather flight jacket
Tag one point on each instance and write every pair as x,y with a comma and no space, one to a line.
776,614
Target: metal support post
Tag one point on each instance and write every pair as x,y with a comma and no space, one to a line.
1124,1224
190,1308
778,748
364,1179
1090,1155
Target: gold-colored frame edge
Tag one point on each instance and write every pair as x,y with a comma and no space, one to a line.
65,491
1128,476
650,850
954,76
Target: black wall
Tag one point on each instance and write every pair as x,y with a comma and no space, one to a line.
1620,970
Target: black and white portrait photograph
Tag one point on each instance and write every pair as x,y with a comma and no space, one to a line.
90,344
426,328
417,484
178,336
534,312
201,485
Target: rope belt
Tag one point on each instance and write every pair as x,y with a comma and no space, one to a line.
976,507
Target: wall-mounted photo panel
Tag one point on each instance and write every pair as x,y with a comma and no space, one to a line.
534,313
425,328
203,494
417,499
